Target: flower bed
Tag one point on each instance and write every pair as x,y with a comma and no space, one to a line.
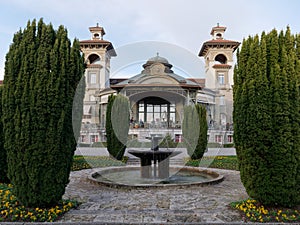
11,210
253,211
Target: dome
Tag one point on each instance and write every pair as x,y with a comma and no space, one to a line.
157,59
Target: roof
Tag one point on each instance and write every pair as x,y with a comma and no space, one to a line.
218,43
1,82
217,28
97,28
200,81
98,42
147,72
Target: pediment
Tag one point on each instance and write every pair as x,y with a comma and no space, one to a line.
157,79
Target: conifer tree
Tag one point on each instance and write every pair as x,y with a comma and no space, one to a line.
191,130
117,125
3,161
203,127
42,72
266,118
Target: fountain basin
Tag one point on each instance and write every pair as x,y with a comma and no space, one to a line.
129,177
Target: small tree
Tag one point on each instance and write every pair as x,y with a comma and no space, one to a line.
117,125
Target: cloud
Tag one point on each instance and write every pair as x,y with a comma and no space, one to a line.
183,23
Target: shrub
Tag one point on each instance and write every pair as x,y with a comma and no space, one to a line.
117,125
168,142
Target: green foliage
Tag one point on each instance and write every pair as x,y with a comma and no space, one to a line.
88,162
194,130
202,140
168,142
3,161
190,129
266,118
42,71
220,162
117,125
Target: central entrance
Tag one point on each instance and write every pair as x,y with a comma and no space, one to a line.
156,112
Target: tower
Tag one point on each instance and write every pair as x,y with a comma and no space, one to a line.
97,54
218,56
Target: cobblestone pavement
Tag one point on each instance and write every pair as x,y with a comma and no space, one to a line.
206,204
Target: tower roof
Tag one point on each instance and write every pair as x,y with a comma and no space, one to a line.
217,28
218,41
218,44
97,41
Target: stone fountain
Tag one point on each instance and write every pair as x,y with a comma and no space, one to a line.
154,159
154,171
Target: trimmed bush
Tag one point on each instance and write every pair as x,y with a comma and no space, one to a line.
194,130
266,117
117,125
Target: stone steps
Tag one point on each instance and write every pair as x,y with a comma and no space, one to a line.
173,161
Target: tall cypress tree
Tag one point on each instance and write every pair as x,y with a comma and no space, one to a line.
266,118
37,105
3,161
117,125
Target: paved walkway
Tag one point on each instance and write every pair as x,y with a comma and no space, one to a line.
88,151
207,204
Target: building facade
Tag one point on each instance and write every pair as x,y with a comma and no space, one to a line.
157,95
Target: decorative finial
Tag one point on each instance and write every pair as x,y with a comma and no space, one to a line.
97,24
218,24
157,54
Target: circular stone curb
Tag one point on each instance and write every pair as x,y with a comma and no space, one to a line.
217,178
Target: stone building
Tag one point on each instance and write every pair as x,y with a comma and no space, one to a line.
157,95
219,62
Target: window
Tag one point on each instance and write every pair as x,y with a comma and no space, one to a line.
94,59
218,138
221,59
157,112
223,119
82,138
221,100
93,78
221,78
92,98
229,138
94,138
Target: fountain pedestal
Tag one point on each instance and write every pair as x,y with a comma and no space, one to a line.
160,159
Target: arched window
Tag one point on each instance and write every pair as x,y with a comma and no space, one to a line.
94,59
219,35
221,59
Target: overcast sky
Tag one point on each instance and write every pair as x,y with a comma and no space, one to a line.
184,23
